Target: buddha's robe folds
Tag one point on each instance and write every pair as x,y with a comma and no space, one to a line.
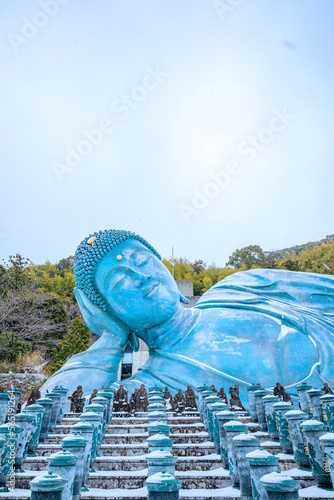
256,326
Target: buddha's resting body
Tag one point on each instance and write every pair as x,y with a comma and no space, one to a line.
255,326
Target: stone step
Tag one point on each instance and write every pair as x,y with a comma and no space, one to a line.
185,450
178,438
204,463
139,428
171,420
218,478
228,493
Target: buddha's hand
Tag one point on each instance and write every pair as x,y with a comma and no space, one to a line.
99,364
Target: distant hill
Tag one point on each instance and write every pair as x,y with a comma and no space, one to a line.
278,254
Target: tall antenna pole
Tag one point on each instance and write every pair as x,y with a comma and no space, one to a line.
173,262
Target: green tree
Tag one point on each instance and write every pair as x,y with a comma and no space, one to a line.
250,256
77,340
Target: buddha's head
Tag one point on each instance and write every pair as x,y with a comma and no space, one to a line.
123,276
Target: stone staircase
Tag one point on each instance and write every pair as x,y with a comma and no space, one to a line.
121,468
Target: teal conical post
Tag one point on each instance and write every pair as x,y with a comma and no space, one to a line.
208,400
314,397
56,397
295,418
251,399
327,443
76,444
217,408
160,460
26,422
47,487
223,417
156,388
327,403
63,398
95,420
260,410
281,409
280,486
213,409
4,399
313,430
47,404
153,416
232,429
304,401
245,443
86,430
268,402
201,397
16,393
163,486
9,432
261,463
158,426
95,408
156,407
37,411
109,396
99,400
63,464
160,441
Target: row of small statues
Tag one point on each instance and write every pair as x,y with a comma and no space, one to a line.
139,399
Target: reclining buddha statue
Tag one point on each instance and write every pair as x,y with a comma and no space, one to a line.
261,325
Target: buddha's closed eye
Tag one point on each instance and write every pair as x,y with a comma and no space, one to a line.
142,258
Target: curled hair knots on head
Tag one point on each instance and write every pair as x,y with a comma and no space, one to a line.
89,253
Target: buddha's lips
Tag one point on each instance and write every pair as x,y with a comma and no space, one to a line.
150,289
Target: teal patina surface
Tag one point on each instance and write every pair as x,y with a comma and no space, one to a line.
261,325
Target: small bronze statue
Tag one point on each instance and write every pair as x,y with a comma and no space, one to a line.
77,400
235,402
92,396
179,402
169,399
221,394
190,397
134,400
34,395
280,392
326,389
213,388
121,399
142,403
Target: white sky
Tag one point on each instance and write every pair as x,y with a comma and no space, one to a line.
221,77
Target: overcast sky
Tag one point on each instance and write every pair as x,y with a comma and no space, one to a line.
202,125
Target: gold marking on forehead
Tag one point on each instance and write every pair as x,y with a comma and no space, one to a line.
119,257
91,240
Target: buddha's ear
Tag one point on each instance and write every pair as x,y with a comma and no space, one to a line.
134,342
184,299
95,318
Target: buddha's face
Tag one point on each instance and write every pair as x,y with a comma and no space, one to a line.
138,288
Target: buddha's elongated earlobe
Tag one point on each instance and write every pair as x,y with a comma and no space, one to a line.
184,299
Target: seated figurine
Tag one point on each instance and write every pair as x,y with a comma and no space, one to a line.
121,400
262,324
221,394
214,388
326,389
190,398
92,396
179,402
281,393
169,399
235,402
77,400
